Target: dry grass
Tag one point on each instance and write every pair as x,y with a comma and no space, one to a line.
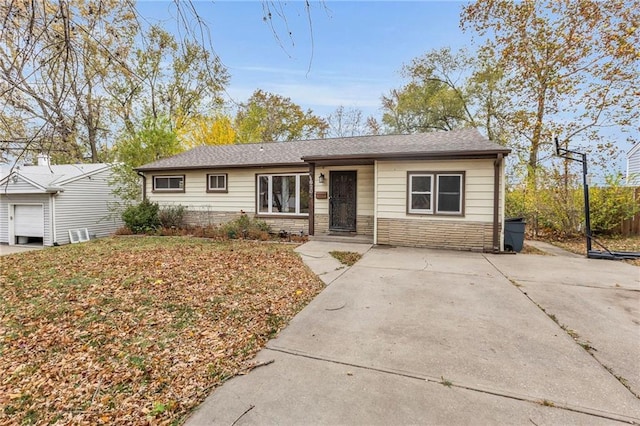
137,330
613,243
348,258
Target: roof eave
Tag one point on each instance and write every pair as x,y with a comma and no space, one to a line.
411,155
219,166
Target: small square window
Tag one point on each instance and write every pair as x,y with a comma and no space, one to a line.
217,183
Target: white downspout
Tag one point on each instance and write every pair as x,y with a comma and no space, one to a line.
52,218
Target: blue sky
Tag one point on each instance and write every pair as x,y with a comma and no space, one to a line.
351,56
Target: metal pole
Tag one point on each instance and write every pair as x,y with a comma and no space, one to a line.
587,219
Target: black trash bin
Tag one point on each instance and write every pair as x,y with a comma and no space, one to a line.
514,233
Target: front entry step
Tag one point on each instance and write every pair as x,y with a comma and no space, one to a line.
343,237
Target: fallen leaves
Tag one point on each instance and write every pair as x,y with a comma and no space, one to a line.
137,330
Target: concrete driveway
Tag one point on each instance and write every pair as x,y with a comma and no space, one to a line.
414,336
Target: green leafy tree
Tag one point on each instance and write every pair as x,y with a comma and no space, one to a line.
446,91
154,140
270,117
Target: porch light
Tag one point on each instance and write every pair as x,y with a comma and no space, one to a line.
321,178
14,178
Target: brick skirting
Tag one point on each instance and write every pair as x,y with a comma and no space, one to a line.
442,234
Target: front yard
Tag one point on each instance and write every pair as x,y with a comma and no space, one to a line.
137,330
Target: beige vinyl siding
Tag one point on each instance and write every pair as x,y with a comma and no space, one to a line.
364,190
240,195
6,199
86,203
478,190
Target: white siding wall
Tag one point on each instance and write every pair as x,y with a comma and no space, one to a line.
19,187
6,199
241,185
364,181
85,203
478,191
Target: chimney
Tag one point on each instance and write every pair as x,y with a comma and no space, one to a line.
44,160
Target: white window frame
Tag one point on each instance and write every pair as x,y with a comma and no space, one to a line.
411,193
217,175
169,177
435,193
460,194
270,211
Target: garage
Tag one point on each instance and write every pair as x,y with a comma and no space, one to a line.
28,223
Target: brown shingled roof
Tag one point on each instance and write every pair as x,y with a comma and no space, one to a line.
466,143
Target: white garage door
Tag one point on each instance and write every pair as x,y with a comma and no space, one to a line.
28,221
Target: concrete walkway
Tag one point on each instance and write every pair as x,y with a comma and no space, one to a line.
6,249
413,336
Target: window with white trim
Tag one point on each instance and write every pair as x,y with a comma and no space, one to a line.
420,193
283,194
439,193
168,183
217,183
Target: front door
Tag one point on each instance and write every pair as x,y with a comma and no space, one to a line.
342,201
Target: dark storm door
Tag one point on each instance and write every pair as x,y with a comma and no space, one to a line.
342,201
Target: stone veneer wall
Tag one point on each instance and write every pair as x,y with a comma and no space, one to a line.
207,218
364,225
442,234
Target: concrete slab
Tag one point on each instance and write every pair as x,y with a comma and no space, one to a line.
374,346
551,249
568,271
301,391
315,255
603,312
7,249
479,332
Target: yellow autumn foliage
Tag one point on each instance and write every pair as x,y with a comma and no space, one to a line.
217,130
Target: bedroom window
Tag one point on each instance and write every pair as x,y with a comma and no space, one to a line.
420,193
217,183
286,194
168,183
439,193
449,194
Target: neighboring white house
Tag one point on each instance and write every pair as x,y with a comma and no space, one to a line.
439,189
41,204
633,166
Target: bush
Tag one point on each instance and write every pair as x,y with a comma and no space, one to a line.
171,216
246,228
142,218
611,204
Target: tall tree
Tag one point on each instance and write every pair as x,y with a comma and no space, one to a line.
270,117
55,59
572,67
179,81
447,90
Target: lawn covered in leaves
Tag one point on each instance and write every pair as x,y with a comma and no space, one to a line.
613,243
137,330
